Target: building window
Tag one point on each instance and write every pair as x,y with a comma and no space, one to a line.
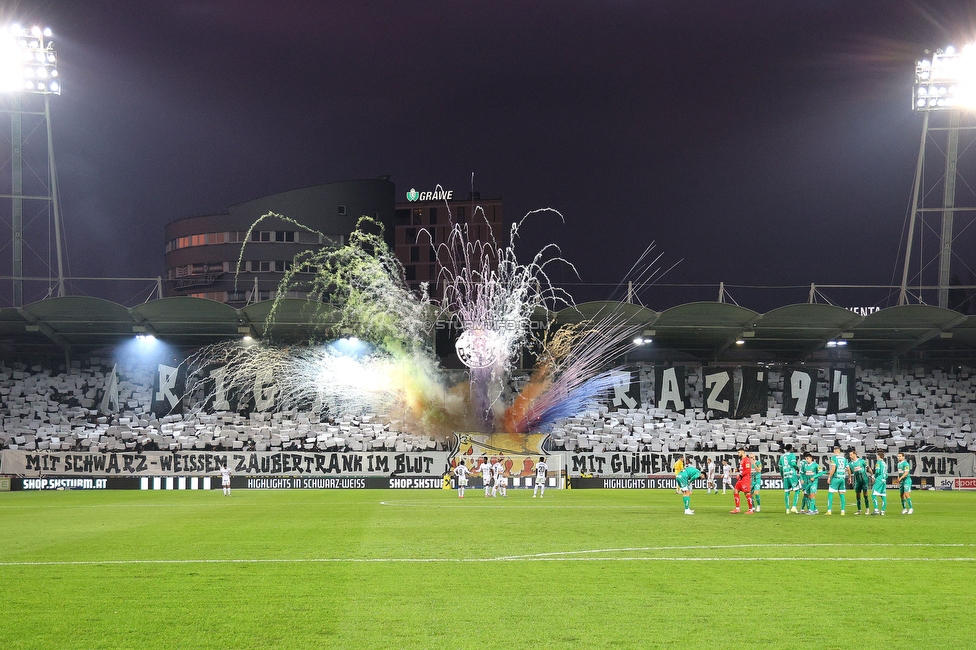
417,217
219,296
342,210
261,235
415,254
284,236
460,216
411,234
433,216
431,254
410,273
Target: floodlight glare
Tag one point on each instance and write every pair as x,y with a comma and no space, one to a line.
26,55
946,82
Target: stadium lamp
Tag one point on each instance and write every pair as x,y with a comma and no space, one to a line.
947,81
29,66
28,62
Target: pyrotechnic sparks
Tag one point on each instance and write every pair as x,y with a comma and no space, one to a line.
340,378
384,364
357,287
390,368
492,296
573,371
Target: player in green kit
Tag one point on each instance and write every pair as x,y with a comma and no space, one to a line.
685,478
756,480
859,475
802,483
905,484
880,483
791,483
837,480
811,471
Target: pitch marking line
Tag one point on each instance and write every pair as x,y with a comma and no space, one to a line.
557,556
495,503
406,560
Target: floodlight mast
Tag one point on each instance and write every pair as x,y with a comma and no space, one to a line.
944,84
28,65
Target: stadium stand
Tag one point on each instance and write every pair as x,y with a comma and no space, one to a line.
58,412
928,409
920,409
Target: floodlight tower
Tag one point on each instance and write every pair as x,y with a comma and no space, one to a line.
945,86
29,66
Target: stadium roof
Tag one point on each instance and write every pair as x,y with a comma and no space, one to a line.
707,331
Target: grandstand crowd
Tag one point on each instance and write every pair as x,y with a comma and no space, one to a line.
919,409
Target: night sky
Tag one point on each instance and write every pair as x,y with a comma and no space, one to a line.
758,143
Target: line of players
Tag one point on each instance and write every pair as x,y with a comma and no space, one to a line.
494,480
801,477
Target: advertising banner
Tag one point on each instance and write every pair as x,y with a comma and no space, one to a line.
644,464
208,463
336,483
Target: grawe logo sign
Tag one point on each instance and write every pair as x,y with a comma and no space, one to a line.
435,195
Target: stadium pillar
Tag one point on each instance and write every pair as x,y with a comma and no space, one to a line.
17,203
55,199
948,205
916,188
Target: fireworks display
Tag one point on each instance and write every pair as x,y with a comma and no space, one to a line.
376,353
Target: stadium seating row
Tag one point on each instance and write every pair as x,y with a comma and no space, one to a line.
917,409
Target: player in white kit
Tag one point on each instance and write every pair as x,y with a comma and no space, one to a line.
540,477
225,480
486,475
461,473
726,476
500,483
710,483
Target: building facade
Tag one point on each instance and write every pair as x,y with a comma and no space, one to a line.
202,253
424,222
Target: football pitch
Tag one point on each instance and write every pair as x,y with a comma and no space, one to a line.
424,569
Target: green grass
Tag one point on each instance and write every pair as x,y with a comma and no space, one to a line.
377,569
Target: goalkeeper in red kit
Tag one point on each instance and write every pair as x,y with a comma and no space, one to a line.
744,484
